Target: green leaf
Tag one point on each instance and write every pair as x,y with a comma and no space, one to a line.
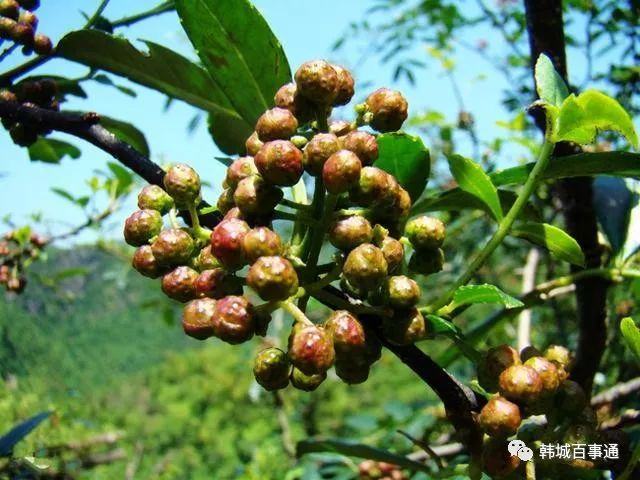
64,194
473,294
561,245
440,326
472,179
161,69
50,150
124,177
236,45
549,84
229,133
127,133
354,449
631,334
105,80
581,118
405,157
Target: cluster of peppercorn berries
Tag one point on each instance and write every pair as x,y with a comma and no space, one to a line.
372,470
18,23
366,227
530,383
40,93
14,257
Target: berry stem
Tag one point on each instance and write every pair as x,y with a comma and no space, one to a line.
349,212
330,277
281,215
293,310
354,306
299,193
173,218
285,202
505,224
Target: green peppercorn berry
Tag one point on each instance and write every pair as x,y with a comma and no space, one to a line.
183,183
346,87
375,189
363,144
254,196
271,369
318,82
341,171
142,226
570,398
500,417
497,462
42,44
28,17
425,233
280,163
273,278
225,201
173,247
287,97
180,284
401,292
520,383
341,127
388,109
227,242
349,232
276,124
548,373
560,355
205,260
197,318
427,262
393,252
215,283
233,321
347,333
318,151
365,267
146,264
306,383
311,349
239,169
23,34
253,144
261,242
9,9
405,327
152,197
493,363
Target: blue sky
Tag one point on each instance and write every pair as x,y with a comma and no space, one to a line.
306,29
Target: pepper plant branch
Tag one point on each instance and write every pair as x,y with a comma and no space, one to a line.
87,127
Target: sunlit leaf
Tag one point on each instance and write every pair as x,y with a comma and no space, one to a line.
50,150
631,334
561,245
550,86
473,294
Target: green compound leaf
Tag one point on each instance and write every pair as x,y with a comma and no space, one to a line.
405,157
561,245
353,449
549,84
581,117
473,294
631,334
237,47
50,150
473,180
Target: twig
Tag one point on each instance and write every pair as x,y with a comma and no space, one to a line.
617,392
528,284
630,417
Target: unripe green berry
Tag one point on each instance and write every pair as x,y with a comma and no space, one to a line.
227,242
318,82
349,232
180,284
225,201
426,262
346,87
28,17
6,27
375,188
352,373
206,260
306,383
23,33
280,163
152,197
347,333
570,398
405,327
183,183
500,417
214,283
261,242
253,144
276,124
271,369
341,127
393,252
363,144
318,150
388,110
233,321
146,264
254,196
548,373
493,363
287,97
520,383
341,171
560,355
10,9
273,278
497,462
42,44
311,349
197,318
365,267
142,226
241,168
401,292
425,233
173,247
